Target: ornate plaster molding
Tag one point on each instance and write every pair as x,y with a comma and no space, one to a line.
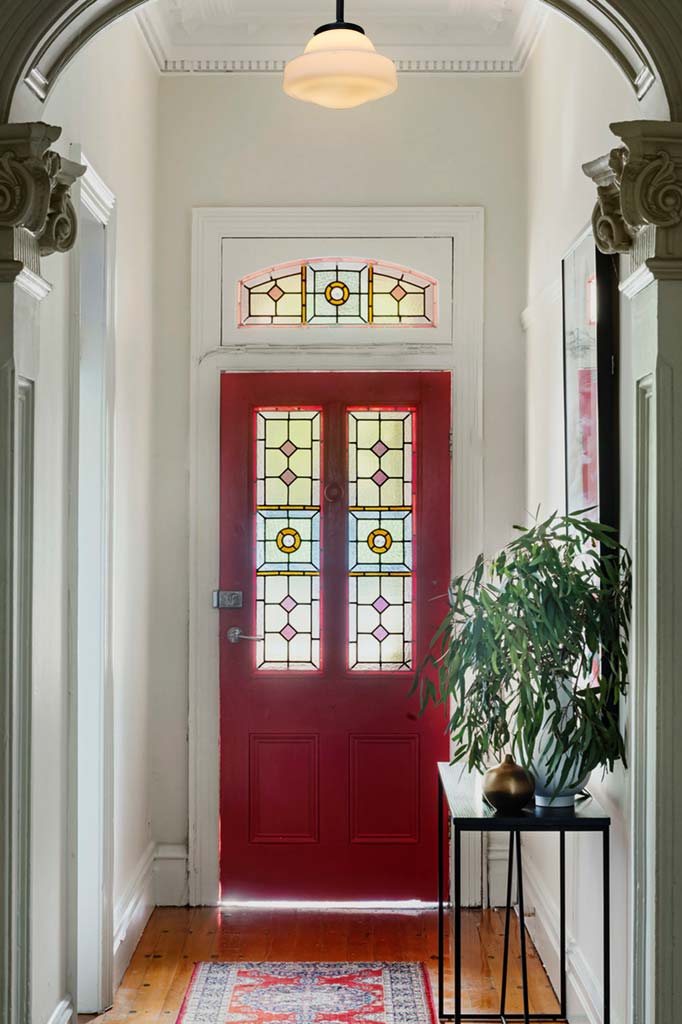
611,232
37,216
639,190
38,38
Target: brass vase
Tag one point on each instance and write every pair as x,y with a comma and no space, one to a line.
508,787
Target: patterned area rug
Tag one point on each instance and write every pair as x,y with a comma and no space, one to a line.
250,993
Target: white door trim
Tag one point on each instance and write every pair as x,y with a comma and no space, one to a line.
91,963
463,355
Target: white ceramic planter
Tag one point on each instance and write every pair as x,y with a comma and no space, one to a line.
547,794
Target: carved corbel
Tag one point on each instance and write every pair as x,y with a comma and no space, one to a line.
36,211
611,231
651,176
61,224
639,188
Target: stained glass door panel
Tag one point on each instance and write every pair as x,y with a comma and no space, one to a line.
326,767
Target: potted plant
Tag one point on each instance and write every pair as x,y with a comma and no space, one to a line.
532,657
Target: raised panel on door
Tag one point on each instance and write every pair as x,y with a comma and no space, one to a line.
283,790
375,764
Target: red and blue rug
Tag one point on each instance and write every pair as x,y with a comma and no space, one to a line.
250,993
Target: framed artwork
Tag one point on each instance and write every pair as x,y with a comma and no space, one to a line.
590,305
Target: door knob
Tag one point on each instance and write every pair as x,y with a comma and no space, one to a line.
235,634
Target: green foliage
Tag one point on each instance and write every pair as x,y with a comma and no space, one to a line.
537,637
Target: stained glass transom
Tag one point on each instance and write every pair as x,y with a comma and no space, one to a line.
337,293
288,443
381,477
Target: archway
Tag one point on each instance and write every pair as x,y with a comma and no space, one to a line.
40,37
61,38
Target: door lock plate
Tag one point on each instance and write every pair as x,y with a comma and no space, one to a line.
228,599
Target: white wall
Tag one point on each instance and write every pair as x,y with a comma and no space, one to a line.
572,93
513,146
107,102
230,140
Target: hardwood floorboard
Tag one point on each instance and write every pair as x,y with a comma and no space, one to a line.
178,937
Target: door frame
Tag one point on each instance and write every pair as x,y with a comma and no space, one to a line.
91,964
462,355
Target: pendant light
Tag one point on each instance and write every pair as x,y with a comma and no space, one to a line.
340,67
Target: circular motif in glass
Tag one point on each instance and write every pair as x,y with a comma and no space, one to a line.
337,293
288,540
379,541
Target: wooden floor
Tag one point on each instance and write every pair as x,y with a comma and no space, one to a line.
177,937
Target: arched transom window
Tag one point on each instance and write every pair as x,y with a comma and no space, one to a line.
337,293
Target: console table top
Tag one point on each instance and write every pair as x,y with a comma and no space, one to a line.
474,815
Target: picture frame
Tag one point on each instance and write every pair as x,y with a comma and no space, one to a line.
591,361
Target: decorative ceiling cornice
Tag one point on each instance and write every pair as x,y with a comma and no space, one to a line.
38,38
184,39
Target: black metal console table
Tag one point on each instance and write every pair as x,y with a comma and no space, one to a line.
466,816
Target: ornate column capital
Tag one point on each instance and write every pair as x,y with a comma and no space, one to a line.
611,231
37,216
639,195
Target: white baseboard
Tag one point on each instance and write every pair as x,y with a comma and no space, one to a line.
585,992
171,887
62,1013
132,912
498,867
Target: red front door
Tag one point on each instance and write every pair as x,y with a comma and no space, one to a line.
335,527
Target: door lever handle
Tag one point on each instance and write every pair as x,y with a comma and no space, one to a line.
235,635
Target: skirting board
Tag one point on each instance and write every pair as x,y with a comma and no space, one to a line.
62,1013
132,912
584,988
498,867
171,888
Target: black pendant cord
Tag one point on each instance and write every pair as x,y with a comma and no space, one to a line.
340,21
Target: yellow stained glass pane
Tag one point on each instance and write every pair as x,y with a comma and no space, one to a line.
276,432
275,462
392,462
292,283
367,431
392,492
275,491
300,462
289,305
385,305
392,433
261,305
368,493
367,462
383,283
299,492
413,305
300,432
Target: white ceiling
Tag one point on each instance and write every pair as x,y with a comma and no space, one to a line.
422,35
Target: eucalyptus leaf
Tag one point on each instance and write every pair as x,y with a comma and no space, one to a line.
536,639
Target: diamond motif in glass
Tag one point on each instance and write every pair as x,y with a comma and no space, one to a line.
341,292
288,443
381,475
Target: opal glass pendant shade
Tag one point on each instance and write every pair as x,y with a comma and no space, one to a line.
340,68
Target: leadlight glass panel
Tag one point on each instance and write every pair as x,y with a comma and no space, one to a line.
381,480
337,293
288,444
